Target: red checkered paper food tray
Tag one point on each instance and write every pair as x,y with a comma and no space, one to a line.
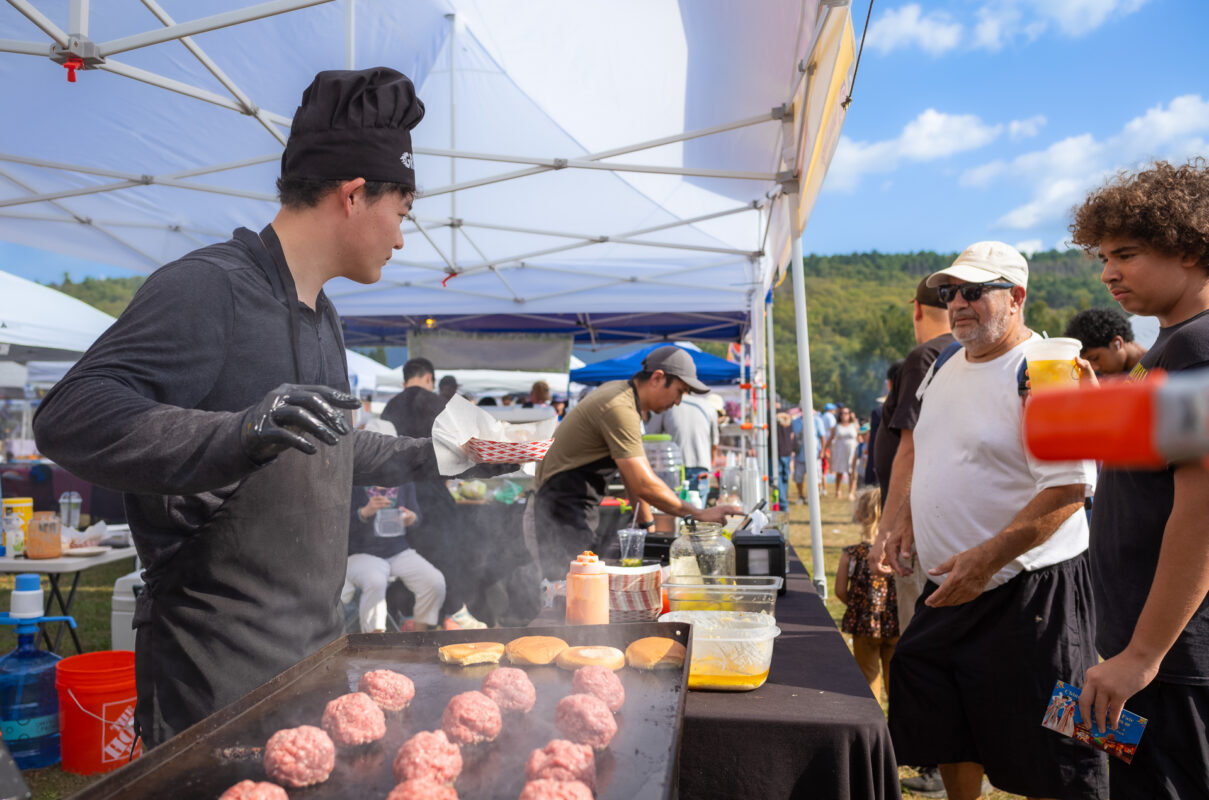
484,451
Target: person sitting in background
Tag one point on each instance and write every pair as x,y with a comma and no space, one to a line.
374,561
1107,339
448,387
872,614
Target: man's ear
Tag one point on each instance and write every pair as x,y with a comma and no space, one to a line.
349,194
1117,343
918,313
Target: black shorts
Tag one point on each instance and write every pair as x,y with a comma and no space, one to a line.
972,682
1172,760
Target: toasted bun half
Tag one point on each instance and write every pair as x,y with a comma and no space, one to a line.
534,649
472,653
599,655
655,652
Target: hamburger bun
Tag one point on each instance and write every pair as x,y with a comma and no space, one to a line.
471,653
598,655
534,649
655,652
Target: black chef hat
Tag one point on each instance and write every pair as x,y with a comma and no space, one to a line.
354,124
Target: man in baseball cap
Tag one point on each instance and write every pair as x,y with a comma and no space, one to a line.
599,437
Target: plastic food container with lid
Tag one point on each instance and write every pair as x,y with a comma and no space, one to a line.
732,650
755,594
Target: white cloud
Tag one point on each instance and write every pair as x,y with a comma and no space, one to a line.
930,136
1060,175
1029,246
934,33
1026,128
995,24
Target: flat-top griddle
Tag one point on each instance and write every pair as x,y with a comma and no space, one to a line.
205,760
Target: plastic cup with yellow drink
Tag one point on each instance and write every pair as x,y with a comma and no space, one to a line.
1051,363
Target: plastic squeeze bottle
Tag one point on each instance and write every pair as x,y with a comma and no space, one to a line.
587,591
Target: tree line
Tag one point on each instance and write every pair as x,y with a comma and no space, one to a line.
858,314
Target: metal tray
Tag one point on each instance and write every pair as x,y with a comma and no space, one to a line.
223,749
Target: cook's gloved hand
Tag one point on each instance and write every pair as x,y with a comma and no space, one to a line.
277,422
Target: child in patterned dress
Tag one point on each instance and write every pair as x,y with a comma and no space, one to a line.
872,613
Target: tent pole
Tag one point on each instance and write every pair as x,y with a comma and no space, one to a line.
78,18
818,571
41,21
770,358
759,381
194,27
350,34
453,144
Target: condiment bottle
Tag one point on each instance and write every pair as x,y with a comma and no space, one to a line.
587,591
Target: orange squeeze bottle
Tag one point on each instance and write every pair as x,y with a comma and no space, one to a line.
587,591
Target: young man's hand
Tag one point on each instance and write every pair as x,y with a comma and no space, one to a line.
1109,685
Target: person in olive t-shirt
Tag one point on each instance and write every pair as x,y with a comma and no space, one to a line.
599,436
1149,548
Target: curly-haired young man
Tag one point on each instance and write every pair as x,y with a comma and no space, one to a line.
1107,339
1149,551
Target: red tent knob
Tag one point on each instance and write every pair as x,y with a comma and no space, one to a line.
72,64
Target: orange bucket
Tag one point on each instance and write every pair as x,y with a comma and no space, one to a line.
96,711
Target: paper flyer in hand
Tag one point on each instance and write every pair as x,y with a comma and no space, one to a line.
1062,715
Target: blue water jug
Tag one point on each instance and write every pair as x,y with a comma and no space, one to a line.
29,703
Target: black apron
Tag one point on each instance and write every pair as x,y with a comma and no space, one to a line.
256,587
567,510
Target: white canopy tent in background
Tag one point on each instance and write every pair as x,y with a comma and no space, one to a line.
577,158
38,323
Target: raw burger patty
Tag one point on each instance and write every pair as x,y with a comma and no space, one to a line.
353,719
510,688
585,718
602,682
392,691
546,789
299,756
251,790
422,790
471,717
429,755
561,760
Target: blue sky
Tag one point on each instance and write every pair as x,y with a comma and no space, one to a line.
978,119
990,119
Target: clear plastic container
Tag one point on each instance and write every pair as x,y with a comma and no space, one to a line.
732,651
733,593
666,459
701,550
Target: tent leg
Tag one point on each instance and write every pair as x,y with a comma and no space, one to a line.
770,359
818,571
759,377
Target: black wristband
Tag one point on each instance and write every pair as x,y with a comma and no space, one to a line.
650,523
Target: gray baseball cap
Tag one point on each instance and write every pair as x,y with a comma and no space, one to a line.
677,362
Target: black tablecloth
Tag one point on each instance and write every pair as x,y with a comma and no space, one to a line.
813,730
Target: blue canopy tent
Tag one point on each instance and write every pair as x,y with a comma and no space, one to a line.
710,369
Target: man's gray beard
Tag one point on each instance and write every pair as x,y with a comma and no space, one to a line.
987,334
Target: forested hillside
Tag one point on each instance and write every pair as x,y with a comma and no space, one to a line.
858,307
859,315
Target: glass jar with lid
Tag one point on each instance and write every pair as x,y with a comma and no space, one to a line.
700,550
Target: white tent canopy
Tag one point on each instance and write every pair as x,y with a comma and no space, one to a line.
39,323
577,158
171,143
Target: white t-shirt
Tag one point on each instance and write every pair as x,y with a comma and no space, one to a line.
972,474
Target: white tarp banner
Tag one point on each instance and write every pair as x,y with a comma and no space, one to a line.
450,350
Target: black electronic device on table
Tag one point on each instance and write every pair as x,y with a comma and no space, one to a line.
765,553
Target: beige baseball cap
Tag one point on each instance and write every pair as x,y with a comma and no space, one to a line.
985,261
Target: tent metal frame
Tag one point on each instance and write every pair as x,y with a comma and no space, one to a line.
76,45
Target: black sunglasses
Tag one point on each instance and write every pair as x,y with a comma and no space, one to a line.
970,292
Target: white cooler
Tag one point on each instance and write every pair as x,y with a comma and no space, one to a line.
121,635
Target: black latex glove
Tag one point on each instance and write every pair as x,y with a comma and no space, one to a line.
277,422
488,470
